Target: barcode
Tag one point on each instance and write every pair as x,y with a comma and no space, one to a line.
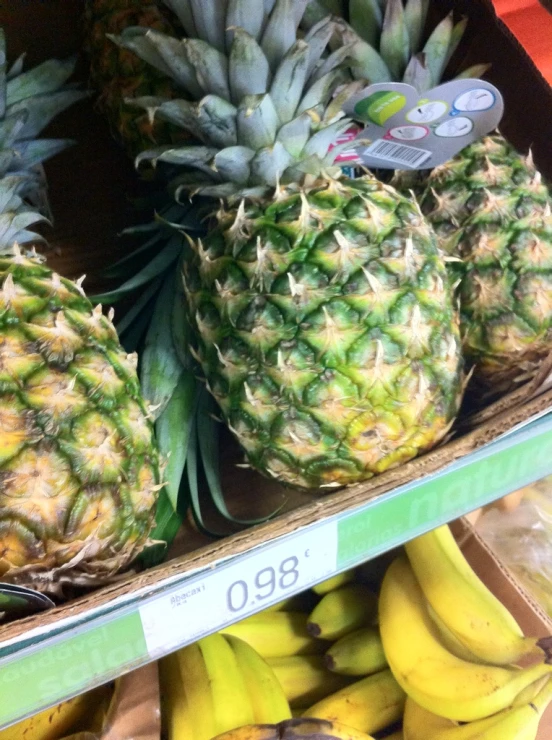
402,153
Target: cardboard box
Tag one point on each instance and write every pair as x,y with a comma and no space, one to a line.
90,186
531,618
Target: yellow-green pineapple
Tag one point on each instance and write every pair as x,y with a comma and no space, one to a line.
323,315
489,206
79,470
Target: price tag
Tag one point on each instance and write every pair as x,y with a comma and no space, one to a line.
235,591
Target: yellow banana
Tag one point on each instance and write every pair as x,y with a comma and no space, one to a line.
277,634
175,712
334,582
518,723
368,705
396,736
449,639
231,703
267,697
359,653
316,729
197,688
295,729
305,679
342,611
478,620
57,721
435,678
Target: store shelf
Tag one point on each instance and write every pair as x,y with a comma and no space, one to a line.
59,660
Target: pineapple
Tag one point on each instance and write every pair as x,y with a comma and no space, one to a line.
489,207
118,74
79,470
324,320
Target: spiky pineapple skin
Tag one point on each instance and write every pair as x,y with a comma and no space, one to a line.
327,332
118,74
491,209
79,470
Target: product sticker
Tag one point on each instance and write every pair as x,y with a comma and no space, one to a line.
406,130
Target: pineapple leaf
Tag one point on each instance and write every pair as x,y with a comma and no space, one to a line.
394,41
280,32
289,80
457,35
175,60
210,66
320,143
476,71
43,108
160,366
258,121
367,64
234,163
415,15
210,21
154,268
183,11
436,49
172,430
270,163
41,80
140,41
245,14
3,73
137,311
295,134
417,74
366,18
31,153
335,59
217,118
319,93
248,68
318,38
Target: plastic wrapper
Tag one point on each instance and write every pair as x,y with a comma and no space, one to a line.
522,539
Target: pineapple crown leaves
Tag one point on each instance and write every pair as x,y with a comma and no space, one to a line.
386,41
260,94
28,102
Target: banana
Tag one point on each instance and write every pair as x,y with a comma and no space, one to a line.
518,723
296,729
250,732
57,721
317,729
303,602
175,711
197,688
305,679
395,736
359,653
277,634
334,582
478,620
435,678
449,639
342,611
231,703
267,697
368,705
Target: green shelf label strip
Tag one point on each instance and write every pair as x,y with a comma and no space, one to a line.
93,652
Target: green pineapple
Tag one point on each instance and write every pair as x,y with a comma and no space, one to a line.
79,471
117,74
488,205
322,312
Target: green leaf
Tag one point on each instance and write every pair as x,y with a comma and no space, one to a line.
138,306
43,108
394,41
210,21
437,47
210,66
41,80
270,164
160,366
415,13
246,14
289,81
318,38
183,11
366,18
234,163
167,524
157,266
257,121
248,69
280,32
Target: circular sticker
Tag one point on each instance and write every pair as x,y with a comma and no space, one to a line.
477,99
408,133
427,112
454,127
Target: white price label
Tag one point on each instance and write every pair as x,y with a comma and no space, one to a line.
235,591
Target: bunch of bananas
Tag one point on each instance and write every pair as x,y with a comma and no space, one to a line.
436,652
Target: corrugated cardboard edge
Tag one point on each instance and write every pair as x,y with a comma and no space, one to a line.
530,616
